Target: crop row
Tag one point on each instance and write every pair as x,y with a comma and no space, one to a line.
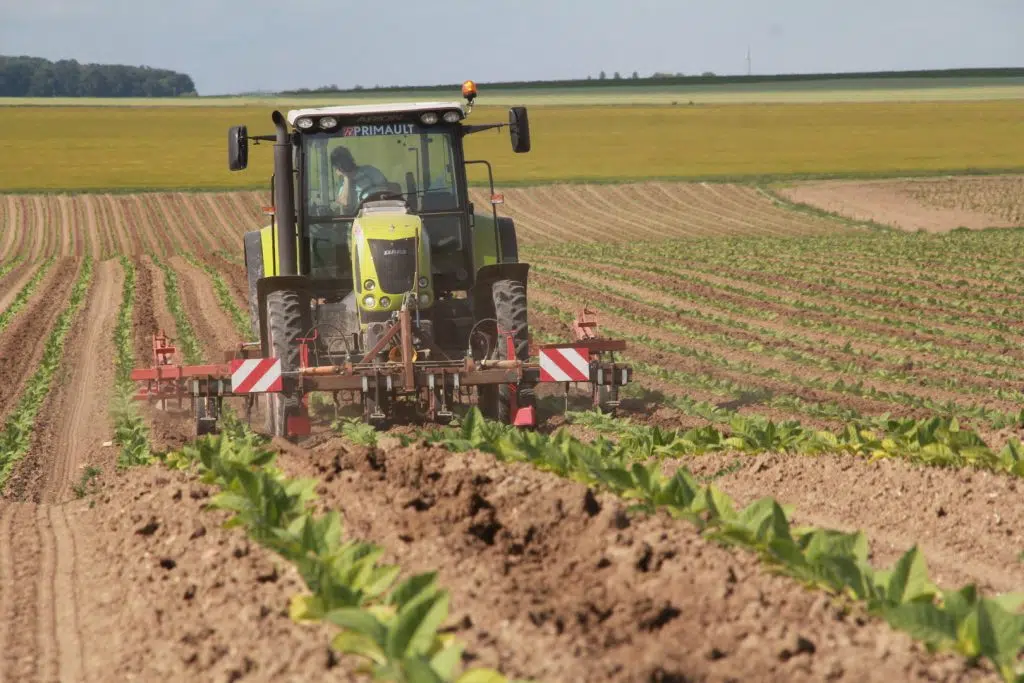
782,334
808,300
131,433
186,336
16,436
9,265
920,283
165,223
239,316
679,362
780,343
23,295
960,620
394,628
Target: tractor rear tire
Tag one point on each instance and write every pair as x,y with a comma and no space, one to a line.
287,320
510,311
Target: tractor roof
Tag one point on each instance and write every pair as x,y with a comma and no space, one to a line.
370,109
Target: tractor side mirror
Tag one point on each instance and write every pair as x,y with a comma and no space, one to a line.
238,148
519,129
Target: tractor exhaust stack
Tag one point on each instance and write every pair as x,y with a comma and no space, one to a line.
284,201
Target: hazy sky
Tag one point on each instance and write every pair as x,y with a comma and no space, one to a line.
232,46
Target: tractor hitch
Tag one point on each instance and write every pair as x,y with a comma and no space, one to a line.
434,380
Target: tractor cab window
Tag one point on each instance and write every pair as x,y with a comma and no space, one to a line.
357,162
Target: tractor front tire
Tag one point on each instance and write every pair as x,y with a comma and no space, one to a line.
510,312
287,320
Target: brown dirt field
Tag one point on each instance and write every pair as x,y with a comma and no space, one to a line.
140,583
169,428
212,325
648,285
966,522
87,213
551,582
126,237
557,213
150,313
887,202
548,580
21,343
1002,196
864,405
648,210
33,225
74,423
69,238
9,219
849,311
15,280
229,230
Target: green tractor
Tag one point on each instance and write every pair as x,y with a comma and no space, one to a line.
377,278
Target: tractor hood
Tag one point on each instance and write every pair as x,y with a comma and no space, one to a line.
390,258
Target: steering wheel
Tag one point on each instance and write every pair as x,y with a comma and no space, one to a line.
378,195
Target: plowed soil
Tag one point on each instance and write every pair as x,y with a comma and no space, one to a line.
888,203
14,281
212,325
21,344
74,423
131,578
551,582
968,523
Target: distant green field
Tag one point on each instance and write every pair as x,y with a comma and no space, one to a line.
819,91
94,148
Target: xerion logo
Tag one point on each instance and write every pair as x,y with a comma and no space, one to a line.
389,129
396,252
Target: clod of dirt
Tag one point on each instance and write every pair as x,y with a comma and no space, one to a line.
149,528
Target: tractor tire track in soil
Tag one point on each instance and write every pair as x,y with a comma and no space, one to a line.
965,521
551,582
74,423
146,573
174,596
42,639
21,347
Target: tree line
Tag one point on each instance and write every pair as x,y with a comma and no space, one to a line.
38,77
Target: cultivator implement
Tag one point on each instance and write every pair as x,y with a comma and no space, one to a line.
393,371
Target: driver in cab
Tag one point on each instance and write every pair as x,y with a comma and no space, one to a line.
357,181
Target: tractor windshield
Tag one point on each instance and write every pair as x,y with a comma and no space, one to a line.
345,168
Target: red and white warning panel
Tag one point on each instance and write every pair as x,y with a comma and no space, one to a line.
256,375
567,364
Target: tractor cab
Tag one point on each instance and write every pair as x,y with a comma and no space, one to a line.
377,281
401,159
